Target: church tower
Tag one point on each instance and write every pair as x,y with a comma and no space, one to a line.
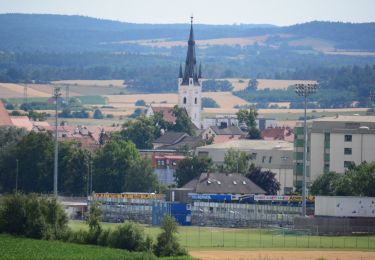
190,83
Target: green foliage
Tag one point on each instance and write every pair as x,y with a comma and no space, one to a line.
137,112
183,122
248,116
67,113
236,161
36,116
190,168
98,114
167,243
325,184
216,85
252,85
111,164
94,217
209,102
140,177
129,236
264,179
33,216
140,102
141,131
358,181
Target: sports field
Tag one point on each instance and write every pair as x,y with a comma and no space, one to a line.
214,238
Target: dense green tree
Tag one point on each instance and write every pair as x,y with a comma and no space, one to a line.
98,114
264,179
209,102
141,131
248,116
183,122
236,161
190,168
252,85
140,102
167,242
111,164
216,85
325,184
140,177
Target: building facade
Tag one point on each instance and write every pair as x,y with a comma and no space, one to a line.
190,83
276,156
334,144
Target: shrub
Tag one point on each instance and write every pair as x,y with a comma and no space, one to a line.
167,244
140,102
104,237
33,216
128,236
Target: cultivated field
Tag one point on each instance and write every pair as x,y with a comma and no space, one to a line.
10,90
98,83
242,83
126,100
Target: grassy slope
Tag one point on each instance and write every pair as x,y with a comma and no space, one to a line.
23,248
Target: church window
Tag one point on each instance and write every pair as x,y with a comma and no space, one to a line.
184,100
195,100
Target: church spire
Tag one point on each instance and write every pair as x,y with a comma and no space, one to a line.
200,71
191,61
180,76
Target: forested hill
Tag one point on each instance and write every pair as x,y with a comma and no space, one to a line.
27,32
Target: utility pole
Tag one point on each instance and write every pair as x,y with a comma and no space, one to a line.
56,95
304,90
91,176
16,175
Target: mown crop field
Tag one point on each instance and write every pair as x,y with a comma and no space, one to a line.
249,238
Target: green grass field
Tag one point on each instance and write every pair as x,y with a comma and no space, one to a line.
23,248
229,238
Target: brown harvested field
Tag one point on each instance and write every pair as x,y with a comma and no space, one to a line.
284,255
265,83
16,90
318,110
48,89
170,98
280,104
226,100
101,83
317,44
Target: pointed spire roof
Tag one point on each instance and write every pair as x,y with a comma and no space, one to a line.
191,61
200,71
180,75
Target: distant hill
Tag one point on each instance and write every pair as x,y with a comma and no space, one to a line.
28,32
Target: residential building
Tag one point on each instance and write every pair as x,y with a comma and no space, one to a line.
4,116
341,141
190,83
220,134
165,166
222,183
176,141
276,156
166,111
278,133
220,120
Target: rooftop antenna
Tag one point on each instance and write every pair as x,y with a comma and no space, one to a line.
191,18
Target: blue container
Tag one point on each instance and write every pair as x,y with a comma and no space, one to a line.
180,211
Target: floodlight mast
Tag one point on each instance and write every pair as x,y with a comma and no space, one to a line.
56,95
304,90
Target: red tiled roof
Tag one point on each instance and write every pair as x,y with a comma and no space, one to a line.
167,113
22,122
4,116
278,133
225,138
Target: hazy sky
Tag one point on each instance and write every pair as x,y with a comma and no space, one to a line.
278,12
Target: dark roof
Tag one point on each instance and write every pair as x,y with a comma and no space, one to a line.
191,61
4,116
169,138
230,130
221,183
189,141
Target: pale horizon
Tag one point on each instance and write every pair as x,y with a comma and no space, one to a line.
219,12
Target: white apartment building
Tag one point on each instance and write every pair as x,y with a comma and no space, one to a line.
338,142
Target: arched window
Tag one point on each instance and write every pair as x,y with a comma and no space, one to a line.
184,100
195,100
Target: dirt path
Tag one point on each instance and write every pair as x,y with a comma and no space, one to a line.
284,255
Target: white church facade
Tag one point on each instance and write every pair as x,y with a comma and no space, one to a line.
190,83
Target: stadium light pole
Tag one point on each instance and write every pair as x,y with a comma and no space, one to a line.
56,95
304,90
372,98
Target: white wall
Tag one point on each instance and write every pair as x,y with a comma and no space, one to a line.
317,155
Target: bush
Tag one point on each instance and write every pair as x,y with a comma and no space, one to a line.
167,244
33,216
98,114
140,102
128,236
